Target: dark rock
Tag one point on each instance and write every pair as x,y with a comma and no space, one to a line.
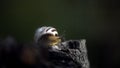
73,54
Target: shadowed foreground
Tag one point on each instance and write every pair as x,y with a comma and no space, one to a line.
73,54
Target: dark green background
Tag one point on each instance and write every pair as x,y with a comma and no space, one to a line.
97,21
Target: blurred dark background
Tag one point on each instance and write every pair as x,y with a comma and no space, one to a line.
97,21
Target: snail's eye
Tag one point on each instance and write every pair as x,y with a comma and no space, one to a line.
56,34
